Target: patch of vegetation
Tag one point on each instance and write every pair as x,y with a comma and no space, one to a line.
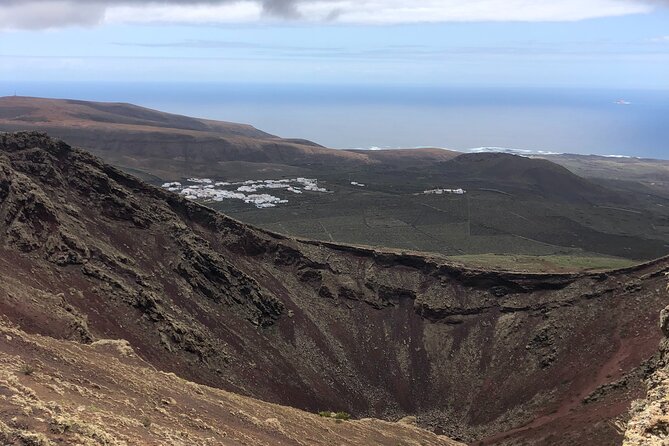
63,425
392,212
548,263
339,416
28,369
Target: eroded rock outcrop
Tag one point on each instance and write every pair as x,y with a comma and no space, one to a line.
649,425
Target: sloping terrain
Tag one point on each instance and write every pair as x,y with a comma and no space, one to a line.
173,146
59,393
649,423
646,178
88,253
527,176
419,157
618,168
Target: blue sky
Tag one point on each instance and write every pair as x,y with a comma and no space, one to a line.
598,43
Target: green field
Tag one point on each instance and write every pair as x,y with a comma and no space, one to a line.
517,214
392,212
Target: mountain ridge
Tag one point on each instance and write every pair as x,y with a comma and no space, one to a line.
138,137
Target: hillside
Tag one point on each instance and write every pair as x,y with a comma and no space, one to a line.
74,113
618,168
60,392
173,146
645,177
522,175
90,253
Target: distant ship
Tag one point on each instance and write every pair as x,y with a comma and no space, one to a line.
622,102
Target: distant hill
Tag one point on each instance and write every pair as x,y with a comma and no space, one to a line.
528,176
408,157
644,177
614,167
172,146
65,113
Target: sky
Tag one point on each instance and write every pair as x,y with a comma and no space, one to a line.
539,43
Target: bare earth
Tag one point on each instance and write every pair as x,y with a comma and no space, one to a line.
59,392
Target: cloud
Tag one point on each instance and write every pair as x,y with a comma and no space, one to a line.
237,45
49,14
36,14
660,39
281,8
264,50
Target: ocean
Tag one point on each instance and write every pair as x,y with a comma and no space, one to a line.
605,122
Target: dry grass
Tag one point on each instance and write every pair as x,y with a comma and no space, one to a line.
88,395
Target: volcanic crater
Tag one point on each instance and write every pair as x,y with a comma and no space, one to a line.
91,253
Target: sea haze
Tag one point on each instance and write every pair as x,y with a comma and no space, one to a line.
357,116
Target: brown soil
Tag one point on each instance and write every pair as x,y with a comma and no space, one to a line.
63,393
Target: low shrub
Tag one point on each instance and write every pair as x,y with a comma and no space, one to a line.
339,416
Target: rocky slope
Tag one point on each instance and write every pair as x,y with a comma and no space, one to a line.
59,392
649,424
89,253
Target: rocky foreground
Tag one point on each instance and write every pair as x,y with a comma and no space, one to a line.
63,393
88,253
649,425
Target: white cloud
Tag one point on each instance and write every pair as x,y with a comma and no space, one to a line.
402,11
237,12
58,13
49,14
661,39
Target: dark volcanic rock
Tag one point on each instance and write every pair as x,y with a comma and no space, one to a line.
89,252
